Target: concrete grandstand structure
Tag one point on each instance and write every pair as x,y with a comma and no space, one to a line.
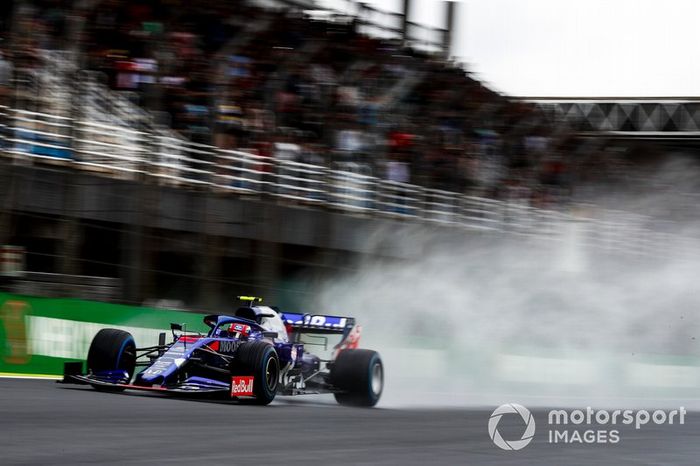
96,183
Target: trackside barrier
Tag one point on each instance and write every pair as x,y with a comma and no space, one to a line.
37,335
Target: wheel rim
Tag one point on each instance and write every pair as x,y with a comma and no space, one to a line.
377,379
271,373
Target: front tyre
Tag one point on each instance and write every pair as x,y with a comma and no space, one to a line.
112,350
359,373
260,359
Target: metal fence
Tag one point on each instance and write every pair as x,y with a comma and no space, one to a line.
162,157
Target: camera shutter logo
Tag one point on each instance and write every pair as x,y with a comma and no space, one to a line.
528,419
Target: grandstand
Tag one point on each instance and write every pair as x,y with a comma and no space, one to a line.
157,125
279,83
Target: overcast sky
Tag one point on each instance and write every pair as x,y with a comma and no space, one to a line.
576,47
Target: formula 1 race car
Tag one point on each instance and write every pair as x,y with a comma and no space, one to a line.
257,353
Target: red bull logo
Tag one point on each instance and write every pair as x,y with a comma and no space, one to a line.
242,385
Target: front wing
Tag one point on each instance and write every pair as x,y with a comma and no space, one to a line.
190,388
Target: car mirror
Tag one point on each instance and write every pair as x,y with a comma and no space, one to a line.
174,327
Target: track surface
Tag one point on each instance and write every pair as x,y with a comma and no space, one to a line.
46,423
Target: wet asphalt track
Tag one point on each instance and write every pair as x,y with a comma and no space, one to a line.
47,423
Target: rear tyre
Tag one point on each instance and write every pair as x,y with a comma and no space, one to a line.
260,359
112,350
359,373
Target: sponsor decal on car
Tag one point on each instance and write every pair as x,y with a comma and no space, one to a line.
228,346
331,322
352,341
242,385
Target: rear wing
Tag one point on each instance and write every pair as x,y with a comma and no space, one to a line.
312,323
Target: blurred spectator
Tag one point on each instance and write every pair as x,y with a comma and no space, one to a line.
6,74
284,86
397,171
350,140
230,122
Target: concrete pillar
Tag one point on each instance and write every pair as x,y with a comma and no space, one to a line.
266,269
132,263
7,201
70,230
69,254
210,289
137,249
6,226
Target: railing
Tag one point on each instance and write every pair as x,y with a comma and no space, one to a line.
399,199
163,158
374,21
243,172
442,206
39,134
351,187
108,147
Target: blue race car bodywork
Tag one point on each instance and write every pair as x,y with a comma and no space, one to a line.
256,353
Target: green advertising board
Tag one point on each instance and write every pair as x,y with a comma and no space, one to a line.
37,335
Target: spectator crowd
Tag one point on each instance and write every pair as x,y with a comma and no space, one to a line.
281,84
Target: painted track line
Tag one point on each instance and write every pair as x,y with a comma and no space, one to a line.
18,375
